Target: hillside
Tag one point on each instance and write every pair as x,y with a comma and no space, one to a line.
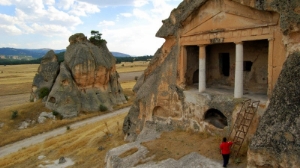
34,53
118,54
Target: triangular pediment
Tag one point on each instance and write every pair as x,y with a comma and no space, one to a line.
226,15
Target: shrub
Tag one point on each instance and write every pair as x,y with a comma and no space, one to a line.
122,65
68,127
55,113
44,92
102,108
126,97
136,78
14,114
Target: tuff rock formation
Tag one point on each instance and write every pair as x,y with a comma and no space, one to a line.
87,79
46,75
163,94
277,140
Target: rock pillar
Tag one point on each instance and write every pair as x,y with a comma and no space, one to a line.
202,68
238,84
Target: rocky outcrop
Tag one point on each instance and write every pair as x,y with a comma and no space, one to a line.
277,140
289,14
87,79
161,93
45,76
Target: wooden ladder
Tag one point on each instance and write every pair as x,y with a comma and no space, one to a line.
242,124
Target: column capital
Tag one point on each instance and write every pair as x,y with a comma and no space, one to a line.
202,45
271,39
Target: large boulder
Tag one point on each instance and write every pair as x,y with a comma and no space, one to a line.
277,140
45,76
87,79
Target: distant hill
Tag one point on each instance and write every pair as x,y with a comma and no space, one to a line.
35,53
38,53
118,54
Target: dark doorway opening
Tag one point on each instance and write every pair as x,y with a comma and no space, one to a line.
192,68
216,118
247,66
224,63
196,76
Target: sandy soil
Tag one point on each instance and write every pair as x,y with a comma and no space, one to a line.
9,100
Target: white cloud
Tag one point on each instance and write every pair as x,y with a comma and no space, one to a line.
6,19
50,30
61,18
31,13
10,29
126,14
83,8
140,3
49,2
141,14
65,4
105,23
136,39
103,3
5,2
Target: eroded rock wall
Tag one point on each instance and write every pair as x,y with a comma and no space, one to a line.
46,74
277,140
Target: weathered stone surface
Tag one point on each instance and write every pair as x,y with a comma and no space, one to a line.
41,157
191,160
46,74
288,10
24,125
41,120
61,160
277,140
87,79
47,115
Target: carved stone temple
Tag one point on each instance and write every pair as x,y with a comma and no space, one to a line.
216,54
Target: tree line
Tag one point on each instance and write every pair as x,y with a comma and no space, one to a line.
60,57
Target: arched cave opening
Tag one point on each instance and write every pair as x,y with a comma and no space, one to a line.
52,100
216,118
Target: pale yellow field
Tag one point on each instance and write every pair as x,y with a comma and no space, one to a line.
16,74
132,66
17,79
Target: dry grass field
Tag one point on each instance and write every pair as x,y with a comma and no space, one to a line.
17,79
81,145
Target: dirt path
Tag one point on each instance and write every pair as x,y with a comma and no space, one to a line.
9,100
14,147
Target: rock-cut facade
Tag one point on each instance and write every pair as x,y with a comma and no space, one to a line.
216,54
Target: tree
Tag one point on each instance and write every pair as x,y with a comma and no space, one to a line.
96,37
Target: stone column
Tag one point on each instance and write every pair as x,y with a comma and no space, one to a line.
202,68
238,84
270,67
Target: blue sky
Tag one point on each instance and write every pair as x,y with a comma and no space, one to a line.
129,26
